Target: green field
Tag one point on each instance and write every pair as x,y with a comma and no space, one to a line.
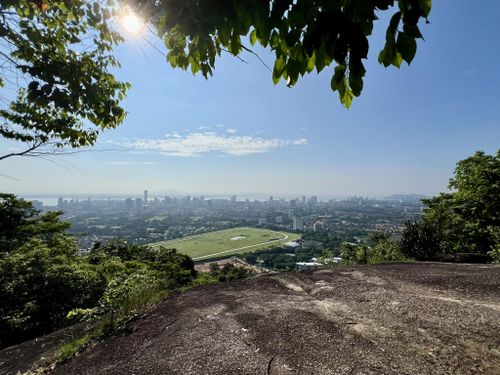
227,242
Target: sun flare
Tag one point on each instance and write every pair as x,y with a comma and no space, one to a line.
132,23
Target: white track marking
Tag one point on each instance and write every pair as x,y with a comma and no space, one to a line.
241,248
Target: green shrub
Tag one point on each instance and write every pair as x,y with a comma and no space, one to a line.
421,240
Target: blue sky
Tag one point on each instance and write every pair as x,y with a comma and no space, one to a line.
238,133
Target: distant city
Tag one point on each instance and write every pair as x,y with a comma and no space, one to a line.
144,219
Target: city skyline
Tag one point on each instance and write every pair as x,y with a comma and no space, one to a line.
236,133
263,197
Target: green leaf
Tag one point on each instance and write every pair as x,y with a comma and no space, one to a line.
321,58
425,7
393,25
311,63
412,30
235,46
279,67
387,55
356,74
398,60
275,39
407,46
253,37
346,99
338,78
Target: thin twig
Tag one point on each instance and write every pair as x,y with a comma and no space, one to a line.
12,178
260,59
237,56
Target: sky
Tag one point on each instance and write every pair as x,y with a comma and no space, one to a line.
237,133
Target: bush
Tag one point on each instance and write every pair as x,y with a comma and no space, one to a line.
421,240
229,272
382,251
39,285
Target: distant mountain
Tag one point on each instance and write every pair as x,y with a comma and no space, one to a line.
406,197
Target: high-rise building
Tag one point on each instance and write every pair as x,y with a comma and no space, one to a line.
37,205
233,198
60,202
139,203
145,197
298,223
313,200
129,203
303,199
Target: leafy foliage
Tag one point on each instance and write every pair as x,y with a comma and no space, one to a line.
20,221
229,272
304,35
57,55
470,215
463,221
378,249
39,283
43,277
421,240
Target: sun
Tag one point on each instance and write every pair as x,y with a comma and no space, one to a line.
132,23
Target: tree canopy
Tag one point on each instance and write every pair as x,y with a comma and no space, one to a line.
465,220
304,35
20,221
55,60
56,56
469,216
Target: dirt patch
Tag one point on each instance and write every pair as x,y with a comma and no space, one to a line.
419,318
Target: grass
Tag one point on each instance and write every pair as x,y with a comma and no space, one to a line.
228,242
71,348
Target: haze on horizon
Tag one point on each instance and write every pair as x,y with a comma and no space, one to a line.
239,134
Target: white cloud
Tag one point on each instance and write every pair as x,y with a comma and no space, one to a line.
195,144
173,135
129,163
219,126
232,130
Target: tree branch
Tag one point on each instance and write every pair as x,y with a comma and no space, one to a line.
22,153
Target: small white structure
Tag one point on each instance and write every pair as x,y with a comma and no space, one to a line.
307,266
